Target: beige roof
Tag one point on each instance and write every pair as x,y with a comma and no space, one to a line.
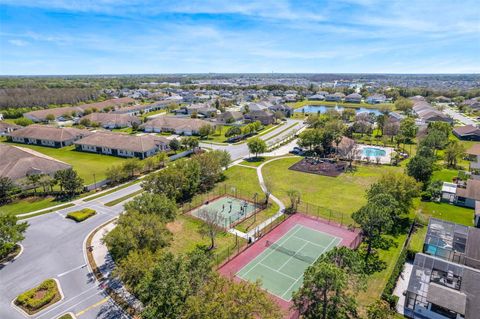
18,162
123,141
4,126
173,123
50,133
472,190
474,150
111,118
59,111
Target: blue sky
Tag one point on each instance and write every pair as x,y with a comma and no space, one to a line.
140,36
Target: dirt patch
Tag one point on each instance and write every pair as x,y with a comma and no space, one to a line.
175,226
40,294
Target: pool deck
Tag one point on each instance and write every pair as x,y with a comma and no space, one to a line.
383,159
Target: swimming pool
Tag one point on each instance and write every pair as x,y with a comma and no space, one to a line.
309,109
373,152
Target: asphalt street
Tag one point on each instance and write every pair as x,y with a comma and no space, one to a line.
53,248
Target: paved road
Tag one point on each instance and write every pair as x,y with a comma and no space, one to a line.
241,150
53,248
459,117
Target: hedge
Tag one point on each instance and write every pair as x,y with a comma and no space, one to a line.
387,294
81,215
66,316
29,302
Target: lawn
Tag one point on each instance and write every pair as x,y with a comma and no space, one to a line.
345,193
28,205
86,164
445,211
250,223
187,235
219,135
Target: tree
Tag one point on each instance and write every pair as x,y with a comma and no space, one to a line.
33,180
404,105
380,309
131,166
161,159
211,220
23,121
165,290
206,130
224,298
453,152
11,232
50,117
233,131
420,168
324,293
294,196
136,231
408,129
7,187
401,187
149,163
189,142
133,268
157,204
85,122
174,145
375,218
257,146
115,174
224,157
69,181
210,169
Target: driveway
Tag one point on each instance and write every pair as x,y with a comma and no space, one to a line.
459,117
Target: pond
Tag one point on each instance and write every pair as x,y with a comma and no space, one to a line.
322,109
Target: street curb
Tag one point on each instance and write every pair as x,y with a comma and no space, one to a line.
67,313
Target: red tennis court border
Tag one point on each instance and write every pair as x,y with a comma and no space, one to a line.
349,239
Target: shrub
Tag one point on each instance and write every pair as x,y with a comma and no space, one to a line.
81,215
392,281
66,316
38,297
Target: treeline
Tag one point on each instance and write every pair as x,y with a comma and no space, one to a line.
14,98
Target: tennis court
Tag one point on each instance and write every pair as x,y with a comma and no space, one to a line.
281,265
225,211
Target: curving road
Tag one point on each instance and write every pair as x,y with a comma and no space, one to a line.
53,248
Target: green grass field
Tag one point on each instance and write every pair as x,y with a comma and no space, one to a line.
345,193
86,164
28,205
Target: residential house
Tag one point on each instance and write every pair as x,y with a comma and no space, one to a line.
112,120
376,99
230,117
444,281
353,98
316,97
265,117
142,108
443,99
123,145
6,128
63,113
47,135
474,103
285,109
427,113
177,125
474,157
17,163
467,132
335,97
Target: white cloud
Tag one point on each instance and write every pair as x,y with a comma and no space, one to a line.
18,42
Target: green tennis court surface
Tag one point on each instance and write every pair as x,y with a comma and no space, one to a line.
229,210
281,266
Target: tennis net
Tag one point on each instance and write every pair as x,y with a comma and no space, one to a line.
294,254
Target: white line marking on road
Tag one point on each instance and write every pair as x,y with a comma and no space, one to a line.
71,270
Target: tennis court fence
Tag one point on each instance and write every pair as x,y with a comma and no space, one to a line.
223,190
